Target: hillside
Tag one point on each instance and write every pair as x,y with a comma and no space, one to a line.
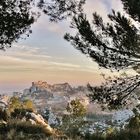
55,96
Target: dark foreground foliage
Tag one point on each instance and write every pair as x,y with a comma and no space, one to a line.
123,135
16,130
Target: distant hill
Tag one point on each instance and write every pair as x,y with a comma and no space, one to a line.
55,96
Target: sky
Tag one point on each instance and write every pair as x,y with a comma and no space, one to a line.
46,56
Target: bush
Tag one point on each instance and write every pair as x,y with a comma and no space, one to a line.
15,129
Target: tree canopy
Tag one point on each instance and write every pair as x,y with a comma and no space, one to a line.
60,9
17,16
15,103
74,119
113,45
76,108
117,92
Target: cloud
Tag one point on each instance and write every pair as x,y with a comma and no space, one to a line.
102,7
117,5
64,64
44,25
96,6
25,53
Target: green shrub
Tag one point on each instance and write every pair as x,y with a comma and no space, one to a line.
15,129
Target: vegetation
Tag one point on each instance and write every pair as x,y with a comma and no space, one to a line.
76,108
116,92
15,122
17,16
16,129
74,119
15,103
13,125
16,19
131,132
113,45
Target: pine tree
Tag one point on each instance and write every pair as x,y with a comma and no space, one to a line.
114,45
